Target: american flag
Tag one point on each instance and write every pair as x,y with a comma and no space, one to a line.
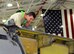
59,22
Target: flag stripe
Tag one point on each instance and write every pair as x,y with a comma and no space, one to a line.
69,23
66,23
72,23
63,22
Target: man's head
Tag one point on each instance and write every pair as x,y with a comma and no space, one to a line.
30,16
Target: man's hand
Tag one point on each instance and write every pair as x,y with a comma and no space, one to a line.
28,23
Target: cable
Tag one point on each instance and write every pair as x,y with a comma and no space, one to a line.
30,6
18,6
43,14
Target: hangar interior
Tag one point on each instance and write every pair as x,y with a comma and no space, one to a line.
36,41
6,12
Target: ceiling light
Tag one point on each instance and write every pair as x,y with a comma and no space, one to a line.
53,34
9,5
42,15
61,26
59,34
48,33
3,20
33,29
35,26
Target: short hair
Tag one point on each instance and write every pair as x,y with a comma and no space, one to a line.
20,11
32,13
